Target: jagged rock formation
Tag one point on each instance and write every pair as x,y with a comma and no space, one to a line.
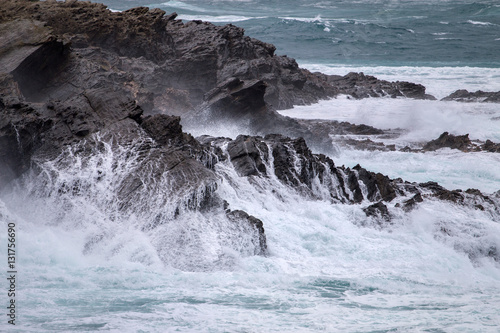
293,164
83,86
159,59
460,142
446,140
359,85
463,95
315,176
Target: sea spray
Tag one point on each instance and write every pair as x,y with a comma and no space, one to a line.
323,257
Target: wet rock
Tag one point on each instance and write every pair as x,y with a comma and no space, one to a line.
359,85
441,193
246,155
463,95
333,127
78,81
292,162
366,144
411,203
491,147
235,215
460,142
377,185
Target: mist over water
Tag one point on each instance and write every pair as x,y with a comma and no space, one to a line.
87,266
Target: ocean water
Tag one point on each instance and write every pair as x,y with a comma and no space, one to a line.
83,266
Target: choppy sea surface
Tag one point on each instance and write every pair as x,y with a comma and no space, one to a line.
328,269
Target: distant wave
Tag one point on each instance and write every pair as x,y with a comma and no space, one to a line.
480,23
181,5
222,18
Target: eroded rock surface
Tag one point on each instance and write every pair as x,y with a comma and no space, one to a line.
463,95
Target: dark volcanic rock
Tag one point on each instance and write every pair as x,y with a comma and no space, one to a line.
164,56
376,184
447,140
261,247
292,162
359,86
245,153
164,129
333,127
378,210
64,49
412,202
84,87
463,95
21,133
242,102
491,147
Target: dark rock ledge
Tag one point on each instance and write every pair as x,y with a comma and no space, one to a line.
315,176
463,95
74,75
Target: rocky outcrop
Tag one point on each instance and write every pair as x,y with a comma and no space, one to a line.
291,162
445,140
81,86
21,134
239,215
491,147
158,58
378,210
460,142
463,95
359,85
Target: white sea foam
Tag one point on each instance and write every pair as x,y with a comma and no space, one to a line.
221,18
424,120
446,38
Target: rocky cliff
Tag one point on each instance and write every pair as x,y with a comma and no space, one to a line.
81,86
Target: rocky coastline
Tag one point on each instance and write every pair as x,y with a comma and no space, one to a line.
74,75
